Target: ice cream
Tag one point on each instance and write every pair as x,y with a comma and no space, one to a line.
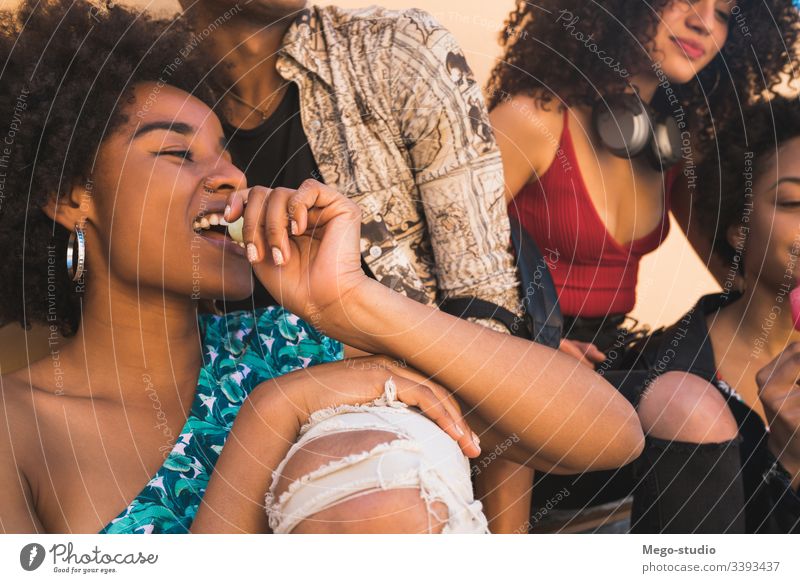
235,230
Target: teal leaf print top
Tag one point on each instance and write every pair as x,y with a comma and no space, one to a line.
240,350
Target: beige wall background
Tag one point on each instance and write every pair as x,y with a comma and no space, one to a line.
671,279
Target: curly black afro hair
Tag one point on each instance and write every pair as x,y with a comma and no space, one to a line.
726,183
543,59
68,68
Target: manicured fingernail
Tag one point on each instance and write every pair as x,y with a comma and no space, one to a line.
252,253
476,440
459,431
277,256
293,226
227,213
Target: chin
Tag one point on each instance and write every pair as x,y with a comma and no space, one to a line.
679,74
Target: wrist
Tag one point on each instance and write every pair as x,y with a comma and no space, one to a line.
359,319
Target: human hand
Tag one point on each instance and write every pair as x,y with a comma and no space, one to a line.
362,380
779,393
587,353
303,244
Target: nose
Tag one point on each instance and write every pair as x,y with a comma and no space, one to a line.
701,16
225,177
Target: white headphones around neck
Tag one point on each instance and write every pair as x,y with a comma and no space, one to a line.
629,128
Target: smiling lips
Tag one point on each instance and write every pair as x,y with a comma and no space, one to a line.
692,49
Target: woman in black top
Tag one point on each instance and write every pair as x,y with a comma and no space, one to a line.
730,367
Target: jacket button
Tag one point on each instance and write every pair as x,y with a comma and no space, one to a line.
375,251
315,125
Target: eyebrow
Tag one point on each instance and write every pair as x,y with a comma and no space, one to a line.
789,179
178,127
171,126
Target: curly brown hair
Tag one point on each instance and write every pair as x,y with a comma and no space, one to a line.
67,68
744,147
542,60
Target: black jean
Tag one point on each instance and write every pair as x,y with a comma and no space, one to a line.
677,487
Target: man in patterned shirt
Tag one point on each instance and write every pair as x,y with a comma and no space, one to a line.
381,105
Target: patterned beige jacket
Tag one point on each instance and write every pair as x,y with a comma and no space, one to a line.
395,120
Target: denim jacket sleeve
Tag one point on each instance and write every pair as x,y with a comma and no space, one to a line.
457,167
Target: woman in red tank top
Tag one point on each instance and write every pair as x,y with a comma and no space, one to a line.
595,214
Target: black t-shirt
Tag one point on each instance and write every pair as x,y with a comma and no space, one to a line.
276,153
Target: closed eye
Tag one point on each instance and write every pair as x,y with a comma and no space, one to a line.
183,154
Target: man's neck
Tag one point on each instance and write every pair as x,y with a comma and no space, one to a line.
247,51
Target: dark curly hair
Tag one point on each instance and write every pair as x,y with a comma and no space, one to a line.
68,67
541,59
726,182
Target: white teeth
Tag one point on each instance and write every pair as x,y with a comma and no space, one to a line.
196,226
204,223
213,219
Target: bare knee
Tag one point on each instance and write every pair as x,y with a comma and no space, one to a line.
680,406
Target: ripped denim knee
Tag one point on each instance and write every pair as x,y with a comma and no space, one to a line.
422,457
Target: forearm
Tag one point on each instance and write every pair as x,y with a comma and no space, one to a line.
265,429
559,409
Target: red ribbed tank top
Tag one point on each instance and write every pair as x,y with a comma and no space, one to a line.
593,273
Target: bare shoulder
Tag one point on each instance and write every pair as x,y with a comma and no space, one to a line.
532,118
528,130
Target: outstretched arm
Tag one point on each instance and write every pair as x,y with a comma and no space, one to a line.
563,413
270,420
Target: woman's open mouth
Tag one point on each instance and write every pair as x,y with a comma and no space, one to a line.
214,228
